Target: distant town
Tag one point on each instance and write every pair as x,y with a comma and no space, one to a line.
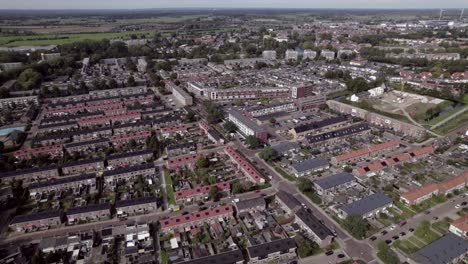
234,136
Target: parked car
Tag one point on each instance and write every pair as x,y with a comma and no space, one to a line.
395,237
411,229
388,241
341,255
464,203
372,238
402,234
384,232
329,253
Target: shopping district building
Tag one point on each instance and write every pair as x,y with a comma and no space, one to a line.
154,171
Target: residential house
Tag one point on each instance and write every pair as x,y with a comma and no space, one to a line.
366,207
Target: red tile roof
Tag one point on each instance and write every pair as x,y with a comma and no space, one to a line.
461,223
36,151
416,193
245,165
196,216
380,164
367,150
201,190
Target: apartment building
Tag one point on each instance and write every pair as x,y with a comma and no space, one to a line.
181,96
34,221
459,227
316,127
88,213
314,228
28,175
291,55
136,206
18,101
129,173
64,183
269,54
129,158
248,127
257,111
82,166
277,251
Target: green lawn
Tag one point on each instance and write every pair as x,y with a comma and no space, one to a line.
59,39
416,241
284,174
453,124
445,115
442,226
405,246
169,189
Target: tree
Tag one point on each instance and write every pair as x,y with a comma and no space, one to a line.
305,247
131,81
304,185
272,121
268,154
252,142
386,254
237,187
112,83
356,226
230,127
357,85
201,162
29,79
213,194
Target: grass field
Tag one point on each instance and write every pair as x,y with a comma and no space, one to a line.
169,189
59,39
453,124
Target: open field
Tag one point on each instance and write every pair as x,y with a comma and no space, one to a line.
86,25
59,39
453,124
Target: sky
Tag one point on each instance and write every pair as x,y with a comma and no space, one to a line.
139,4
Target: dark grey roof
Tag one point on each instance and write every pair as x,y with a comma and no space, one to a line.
262,250
334,180
64,123
35,216
367,204
27,171
314,224
310,164
443,250
129,169
320,124
247,121
181,146
338,133
129,154
59,181
229,257
88,208
288,199
251,203
81,162
213,133
89,142
286,146
136,201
